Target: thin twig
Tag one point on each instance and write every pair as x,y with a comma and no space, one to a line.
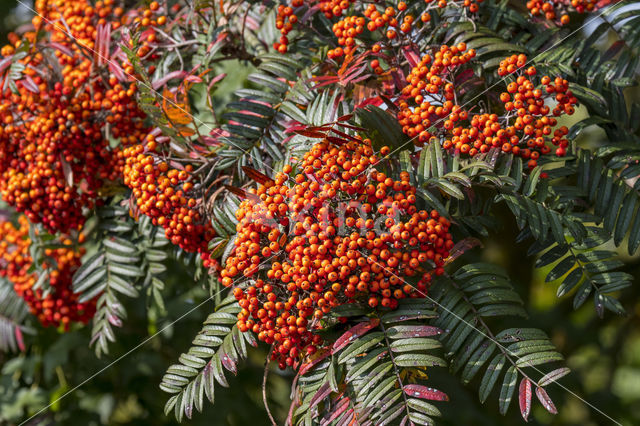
264,386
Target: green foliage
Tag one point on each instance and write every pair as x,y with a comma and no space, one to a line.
13,312
129,257
474,294
218,346
255,120
579,216
382,363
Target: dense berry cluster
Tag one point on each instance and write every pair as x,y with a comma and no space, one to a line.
161,191
532,122
346,30
60,306
332,234
525,127
165,194
391,21
55,153
430,91
558,10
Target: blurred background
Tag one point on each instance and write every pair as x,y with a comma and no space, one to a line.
604,355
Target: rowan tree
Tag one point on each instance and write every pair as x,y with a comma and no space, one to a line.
330,172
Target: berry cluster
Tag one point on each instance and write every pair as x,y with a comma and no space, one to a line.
471,5
55,154
162,191
346,30
150,19
334,8
524,129
149,16
391,20
329,235
532,122
432,93
60,306
165,194
558,10
284,22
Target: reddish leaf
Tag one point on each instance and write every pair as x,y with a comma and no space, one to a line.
370,101
242,193
310,134
361,78
353,333
461,247
220,38
106,42
424,392
545,400
117,71
349,126
412,56
335,141
253,24
30,85
218,133
114,320
464,76
352,76
19,338
613,50
164,80
331,78
389,103
216,79
318,128
346,136
346,117
4,63
342,406
313,360
257,176
292,128
294,404
61,48
209,141
229,363
524,396
193,79
309,13
553,376
322,392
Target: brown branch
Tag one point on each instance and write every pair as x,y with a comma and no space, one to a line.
264,386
